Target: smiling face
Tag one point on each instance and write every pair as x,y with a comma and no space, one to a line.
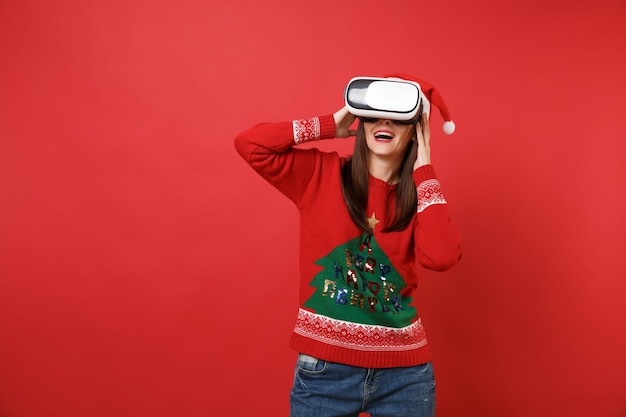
388,141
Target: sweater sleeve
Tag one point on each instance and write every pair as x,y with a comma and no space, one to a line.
437,241
269,149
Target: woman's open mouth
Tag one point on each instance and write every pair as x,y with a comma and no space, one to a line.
383,135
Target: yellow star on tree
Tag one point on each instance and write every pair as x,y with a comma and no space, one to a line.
373,221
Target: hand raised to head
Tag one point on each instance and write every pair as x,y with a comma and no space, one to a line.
343,121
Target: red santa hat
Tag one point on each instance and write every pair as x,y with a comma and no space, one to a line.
431,95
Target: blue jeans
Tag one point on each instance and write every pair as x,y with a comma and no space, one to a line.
327,389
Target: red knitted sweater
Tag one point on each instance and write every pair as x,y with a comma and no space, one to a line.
356,303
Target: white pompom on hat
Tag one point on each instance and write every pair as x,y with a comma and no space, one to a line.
431,95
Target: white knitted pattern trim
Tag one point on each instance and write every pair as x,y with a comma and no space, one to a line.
359,336
305,130
429,193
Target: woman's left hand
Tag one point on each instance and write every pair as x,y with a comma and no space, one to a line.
423,142
343,121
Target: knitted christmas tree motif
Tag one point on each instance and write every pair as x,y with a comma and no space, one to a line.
359,284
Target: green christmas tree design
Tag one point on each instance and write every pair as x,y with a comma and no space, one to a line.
359,284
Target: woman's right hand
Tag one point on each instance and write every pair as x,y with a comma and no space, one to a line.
343,121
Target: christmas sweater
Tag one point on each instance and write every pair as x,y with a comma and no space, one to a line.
356,289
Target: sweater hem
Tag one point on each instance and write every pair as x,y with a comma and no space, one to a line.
363,359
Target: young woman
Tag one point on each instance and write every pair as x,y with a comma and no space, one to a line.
367,223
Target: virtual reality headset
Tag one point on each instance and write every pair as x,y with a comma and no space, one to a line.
384,98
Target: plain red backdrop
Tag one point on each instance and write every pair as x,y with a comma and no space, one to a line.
145,270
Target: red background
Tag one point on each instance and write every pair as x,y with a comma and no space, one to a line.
145,270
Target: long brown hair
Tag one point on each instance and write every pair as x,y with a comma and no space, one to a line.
355,185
